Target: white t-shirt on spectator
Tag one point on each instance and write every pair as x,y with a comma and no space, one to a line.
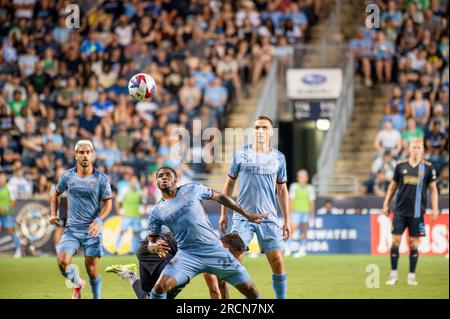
388,169
146,109
24,13
124,35
242,14
20,187
27,63
389,139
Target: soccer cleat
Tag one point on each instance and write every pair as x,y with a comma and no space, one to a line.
392,280
412,280
299,254
77,290
124,271
18,253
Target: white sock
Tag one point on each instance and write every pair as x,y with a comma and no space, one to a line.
132,279
394,273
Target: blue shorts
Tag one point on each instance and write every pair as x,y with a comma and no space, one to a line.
300,218
269,234
7,221
130,222
186,265
72,240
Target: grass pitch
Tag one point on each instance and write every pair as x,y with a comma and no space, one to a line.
311,277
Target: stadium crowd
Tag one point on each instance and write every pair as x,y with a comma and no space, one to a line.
411,50
60,84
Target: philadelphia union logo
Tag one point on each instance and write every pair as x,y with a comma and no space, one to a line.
32,224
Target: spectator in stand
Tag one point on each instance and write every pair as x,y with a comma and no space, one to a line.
398,120
262,54
442,183
61,72
398,101
376,185
386,164
434,145
388,139
420,110
361,48
215,98
190,97
411,132
383,52
19,186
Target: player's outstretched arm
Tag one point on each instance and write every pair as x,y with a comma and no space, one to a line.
231,203
389,194
228,191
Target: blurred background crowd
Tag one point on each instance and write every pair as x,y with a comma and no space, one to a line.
410,50
61,84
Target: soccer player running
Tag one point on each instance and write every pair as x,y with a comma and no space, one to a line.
262,181
200,249
152,265
87,188
7,203
412,178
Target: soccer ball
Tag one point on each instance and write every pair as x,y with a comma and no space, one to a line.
142,86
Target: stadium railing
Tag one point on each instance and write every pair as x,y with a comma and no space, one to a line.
333,140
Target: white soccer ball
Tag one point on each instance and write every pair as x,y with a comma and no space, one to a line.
142,86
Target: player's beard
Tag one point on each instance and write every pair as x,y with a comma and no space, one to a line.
85,163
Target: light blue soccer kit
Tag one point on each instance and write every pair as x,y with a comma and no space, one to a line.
258,173
200,249
85,195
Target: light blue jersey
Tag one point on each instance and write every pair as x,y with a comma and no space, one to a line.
185,217
85,195
200,249
258,175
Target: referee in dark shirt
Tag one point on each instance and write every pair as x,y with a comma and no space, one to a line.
411,180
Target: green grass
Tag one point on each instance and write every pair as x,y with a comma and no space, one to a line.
312,277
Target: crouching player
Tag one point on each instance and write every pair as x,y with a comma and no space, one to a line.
200,249
152,265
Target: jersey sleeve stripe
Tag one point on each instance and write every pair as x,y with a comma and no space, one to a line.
233,178
106,198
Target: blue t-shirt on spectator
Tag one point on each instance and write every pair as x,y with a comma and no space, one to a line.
364,46
88,46
102,108
202,79
398,121
298,18
383,51
216,94
88,125
54,138
118,90
111,155
396,17
399,103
